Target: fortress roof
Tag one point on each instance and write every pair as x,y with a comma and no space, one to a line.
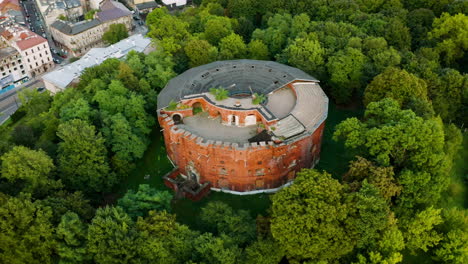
237,76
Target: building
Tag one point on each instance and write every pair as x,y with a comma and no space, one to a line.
73,10
33,49
62,77
146,7
12,70
10,12
7,5
173,3
235,145
81,36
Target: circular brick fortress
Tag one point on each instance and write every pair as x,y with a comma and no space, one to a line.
235,145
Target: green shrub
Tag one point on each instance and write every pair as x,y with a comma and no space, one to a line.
219,93
172,106
259,98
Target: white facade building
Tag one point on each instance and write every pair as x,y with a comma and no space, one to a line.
12,70
34,49
175,2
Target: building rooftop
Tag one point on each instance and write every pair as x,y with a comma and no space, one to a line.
7,52
63,76
21,37
112,14
111,10
295,100
238,76
146,5
6,5
74,28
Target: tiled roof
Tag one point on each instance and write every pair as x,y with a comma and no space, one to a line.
30,42
23,37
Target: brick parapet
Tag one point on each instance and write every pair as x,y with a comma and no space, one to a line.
239,167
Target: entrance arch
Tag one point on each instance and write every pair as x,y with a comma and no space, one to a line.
197,108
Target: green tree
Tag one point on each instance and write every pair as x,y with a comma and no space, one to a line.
115,33
77,109
308,216
258,50
127,77
145,199
412,145
34,101
346,73
163,25
452,247
27,235
276,34
264,251
160,69
232,47
450,32
213,250
382,178
306,53
71,239
127,145
239,225
200,52
30,168
83,158
372,215
420,231
217,28
90,14
447,94
396,84
397,34
112,237
63,202
166,241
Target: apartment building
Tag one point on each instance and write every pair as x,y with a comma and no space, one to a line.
33,49
79,37
12,70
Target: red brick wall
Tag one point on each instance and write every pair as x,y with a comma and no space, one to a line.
239,168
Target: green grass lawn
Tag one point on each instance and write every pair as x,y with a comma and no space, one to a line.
156,164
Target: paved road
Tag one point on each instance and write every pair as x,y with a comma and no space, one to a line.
9,101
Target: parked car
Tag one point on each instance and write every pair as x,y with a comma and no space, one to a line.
40,89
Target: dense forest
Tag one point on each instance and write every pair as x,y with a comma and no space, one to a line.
402,62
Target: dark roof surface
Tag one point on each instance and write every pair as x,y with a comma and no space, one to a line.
72,29
112,14
147,5
235,75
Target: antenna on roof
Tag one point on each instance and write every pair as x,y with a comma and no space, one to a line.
250,88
